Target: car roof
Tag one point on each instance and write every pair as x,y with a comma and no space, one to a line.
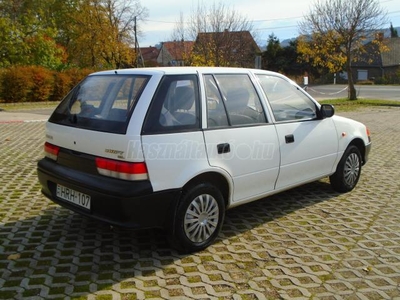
183,70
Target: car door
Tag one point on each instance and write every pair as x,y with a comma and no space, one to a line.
308,144
238,137
172,139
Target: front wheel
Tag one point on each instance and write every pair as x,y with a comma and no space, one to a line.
348,171
198,218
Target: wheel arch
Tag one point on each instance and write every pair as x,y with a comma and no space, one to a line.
215,178
359,143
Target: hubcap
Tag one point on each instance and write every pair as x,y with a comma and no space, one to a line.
351,169
201,218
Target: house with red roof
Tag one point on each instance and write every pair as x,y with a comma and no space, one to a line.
175,53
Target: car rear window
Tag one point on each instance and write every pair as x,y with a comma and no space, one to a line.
101,103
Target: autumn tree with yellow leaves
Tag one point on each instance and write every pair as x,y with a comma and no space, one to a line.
335,32
57,34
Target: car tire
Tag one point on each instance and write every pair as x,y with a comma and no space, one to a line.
348,171
198,219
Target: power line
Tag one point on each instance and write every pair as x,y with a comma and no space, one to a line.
277,27
261,20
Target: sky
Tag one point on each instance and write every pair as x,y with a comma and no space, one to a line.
280,17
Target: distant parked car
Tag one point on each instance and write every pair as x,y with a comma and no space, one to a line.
175,148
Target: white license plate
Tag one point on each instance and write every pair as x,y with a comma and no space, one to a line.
73,196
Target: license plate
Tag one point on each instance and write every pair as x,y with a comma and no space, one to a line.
73,196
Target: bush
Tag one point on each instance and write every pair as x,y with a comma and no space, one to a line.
365,82
76,75
16,84
62,85
391,78
42,84
34,83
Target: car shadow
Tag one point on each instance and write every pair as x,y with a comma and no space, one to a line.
62,253
254,214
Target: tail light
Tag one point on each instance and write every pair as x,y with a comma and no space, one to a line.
51,151
122,170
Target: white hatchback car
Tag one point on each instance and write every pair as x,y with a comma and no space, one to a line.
175,147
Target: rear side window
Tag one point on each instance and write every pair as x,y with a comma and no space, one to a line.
175,106
232,100
101,103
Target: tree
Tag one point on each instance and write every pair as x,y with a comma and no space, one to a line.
334,34
393,32
222,36
284,59
89,33
272,54
103,33
25,39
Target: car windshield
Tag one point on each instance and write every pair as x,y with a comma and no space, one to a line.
101,103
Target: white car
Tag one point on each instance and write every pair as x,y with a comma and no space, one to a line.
175,148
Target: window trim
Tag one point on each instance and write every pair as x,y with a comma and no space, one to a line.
256,92
154,113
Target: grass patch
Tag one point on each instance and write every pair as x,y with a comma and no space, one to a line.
194,279
37,281
7,294
31,293
151,294
343,104
27,105
57,290
104,297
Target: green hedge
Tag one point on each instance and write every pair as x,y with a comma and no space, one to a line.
36,84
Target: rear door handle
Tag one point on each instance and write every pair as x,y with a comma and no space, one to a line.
223,148
289,138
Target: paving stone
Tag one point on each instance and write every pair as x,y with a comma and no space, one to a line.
310,242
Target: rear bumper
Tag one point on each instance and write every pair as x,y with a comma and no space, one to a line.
118,202
367,151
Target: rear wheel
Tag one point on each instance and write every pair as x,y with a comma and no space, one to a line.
198,219
348,171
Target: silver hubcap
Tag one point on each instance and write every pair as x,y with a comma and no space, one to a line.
201,219
351,169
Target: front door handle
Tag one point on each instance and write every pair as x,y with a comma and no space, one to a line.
289,138
223,148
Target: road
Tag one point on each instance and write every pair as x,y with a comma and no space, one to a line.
386,92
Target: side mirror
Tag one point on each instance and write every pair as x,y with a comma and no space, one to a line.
327,111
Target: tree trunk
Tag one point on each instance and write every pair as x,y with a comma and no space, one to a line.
352,93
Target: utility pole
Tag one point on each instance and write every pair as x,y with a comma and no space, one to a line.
136,44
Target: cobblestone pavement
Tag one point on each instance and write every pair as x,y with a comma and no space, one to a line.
309,242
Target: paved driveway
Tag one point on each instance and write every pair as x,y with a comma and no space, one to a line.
309,242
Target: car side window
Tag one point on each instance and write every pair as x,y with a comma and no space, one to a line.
232,100
175,105
288,103
216,113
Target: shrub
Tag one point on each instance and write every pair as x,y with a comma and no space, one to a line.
35,83
365,82
62,85
16,84
76,75
42,84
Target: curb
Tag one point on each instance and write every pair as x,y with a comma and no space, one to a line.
21,121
